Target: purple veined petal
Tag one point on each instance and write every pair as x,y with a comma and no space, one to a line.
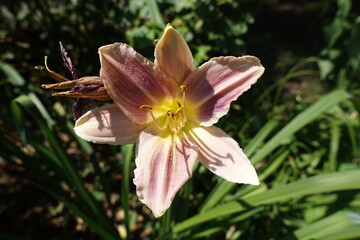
173,55
132,80
160,173
84,88
81,104
107,124
67,60
222,155
214,85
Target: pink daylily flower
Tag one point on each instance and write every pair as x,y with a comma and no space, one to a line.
168,107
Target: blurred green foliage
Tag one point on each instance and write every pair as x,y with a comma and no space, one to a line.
300,124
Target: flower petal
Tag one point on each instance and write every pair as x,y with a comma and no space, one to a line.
107,124
159,172
132,80
214,85
173,55
222,155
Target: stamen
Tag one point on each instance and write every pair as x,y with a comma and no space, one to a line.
170,116
157,124
175,119
176,122
45,59
180,120
145,106
52,74
178,110
183,88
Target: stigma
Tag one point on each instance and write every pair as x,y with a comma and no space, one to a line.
175,118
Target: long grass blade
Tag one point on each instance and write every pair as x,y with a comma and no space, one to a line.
296,124
340,225
127,152
338,181
334,145
67,168
301,120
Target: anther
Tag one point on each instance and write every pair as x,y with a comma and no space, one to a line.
183,88
51,73
145,106
178,110
153,117
171,120
170,113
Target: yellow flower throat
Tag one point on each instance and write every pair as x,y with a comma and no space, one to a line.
174,119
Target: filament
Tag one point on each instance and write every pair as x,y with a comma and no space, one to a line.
174,119
157,124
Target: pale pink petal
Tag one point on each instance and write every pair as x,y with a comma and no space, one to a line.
132,80
214,85
107,124
159,172
173,55
222,155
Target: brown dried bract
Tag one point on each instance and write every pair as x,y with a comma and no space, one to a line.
85,87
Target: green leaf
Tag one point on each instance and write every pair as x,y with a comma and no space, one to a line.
69,125
154,12
301,120
15,78
291,128
341,225
259,138
325,67
339,181
334,145
64,166
127,152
